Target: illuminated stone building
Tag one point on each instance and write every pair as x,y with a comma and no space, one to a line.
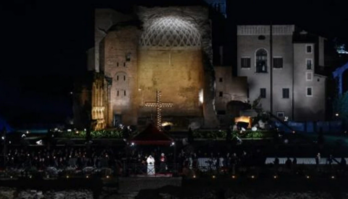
298,91
167,49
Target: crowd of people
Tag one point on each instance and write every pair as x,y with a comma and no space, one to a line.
134,161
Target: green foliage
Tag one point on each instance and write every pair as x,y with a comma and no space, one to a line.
222,134
95,134
257,106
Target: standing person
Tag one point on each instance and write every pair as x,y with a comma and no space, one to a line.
163,165
329,160
317,161
150,165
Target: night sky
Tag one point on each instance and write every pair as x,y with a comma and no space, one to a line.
44,45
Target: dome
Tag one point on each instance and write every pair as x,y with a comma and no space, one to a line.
170,32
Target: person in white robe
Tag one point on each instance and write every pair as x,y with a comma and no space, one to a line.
150,165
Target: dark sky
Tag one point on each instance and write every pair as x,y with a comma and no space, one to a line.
44,42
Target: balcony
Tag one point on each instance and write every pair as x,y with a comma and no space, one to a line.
261,68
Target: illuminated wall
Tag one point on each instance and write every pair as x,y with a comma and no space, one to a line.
170,60
293,76
120,54
169,50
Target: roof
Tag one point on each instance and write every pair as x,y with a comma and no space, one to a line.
151,135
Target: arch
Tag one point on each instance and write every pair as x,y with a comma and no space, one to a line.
169,32
261,60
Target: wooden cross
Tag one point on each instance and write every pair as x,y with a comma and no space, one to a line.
159,105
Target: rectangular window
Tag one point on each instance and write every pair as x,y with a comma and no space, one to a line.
245,62
309,48
286,93
220,79
124,78
124,64
309,91
277,62
117,78
262,92
220,94
128,57
309,63
309,76
117,64
118,93
280,114
124,93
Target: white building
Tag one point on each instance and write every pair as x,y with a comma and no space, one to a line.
297,91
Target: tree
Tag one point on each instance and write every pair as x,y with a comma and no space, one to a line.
87,119
340,107
257,106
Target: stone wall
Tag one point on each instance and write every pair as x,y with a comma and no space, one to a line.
305,106
178,74
282,78
121,61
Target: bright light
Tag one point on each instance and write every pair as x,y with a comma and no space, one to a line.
77,132
69,130
107,176
307,177
87,176
27,132
67,176
172,144
275,177
233,177
245,119
23,136
194,176
39,142
337,114
167,124
132,144
332,177
293,131
213,177
252,177
200,96
3,137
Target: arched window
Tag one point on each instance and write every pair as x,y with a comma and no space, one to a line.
261,61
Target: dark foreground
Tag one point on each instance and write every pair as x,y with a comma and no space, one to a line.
279,187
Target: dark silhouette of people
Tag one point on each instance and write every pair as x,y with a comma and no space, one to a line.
343,163
288,163
329,160
294,161
276,162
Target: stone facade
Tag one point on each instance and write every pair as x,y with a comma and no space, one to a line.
289,71
160,48
228,89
